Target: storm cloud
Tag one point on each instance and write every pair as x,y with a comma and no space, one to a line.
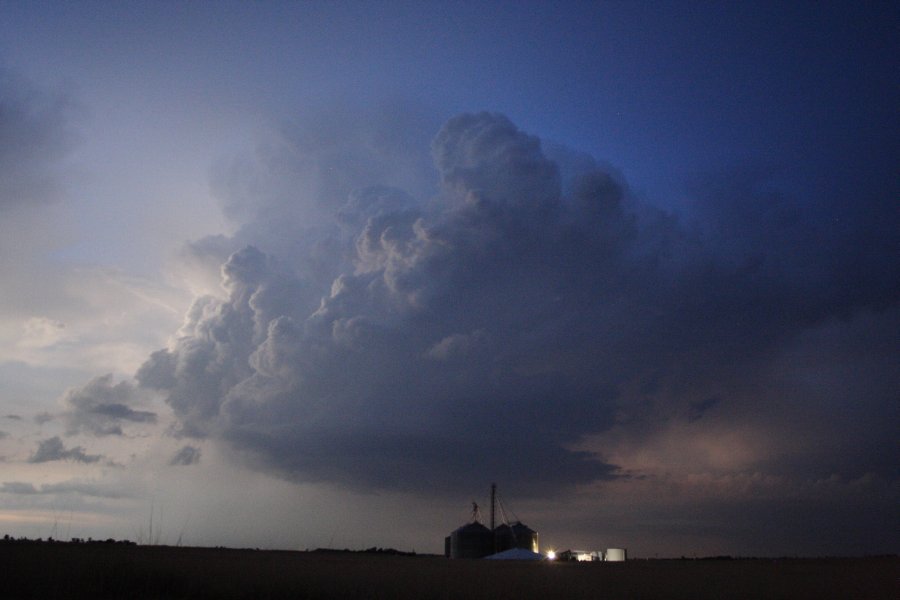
495,328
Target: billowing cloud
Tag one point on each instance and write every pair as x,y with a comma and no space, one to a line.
187,455
494,330
102,407
53,449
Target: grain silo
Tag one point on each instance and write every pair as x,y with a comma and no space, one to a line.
473,540
517,535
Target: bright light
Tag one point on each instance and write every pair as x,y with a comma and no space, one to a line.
551,555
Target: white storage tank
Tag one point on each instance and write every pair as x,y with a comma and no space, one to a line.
615,554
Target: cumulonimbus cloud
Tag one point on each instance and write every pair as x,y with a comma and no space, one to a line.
419,343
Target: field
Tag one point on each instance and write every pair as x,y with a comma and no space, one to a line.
105,570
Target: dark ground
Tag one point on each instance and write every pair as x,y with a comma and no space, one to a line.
103,570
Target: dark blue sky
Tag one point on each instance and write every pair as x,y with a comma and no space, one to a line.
664,91
637,262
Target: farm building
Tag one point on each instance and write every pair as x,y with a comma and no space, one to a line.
475,540
580,555
611,555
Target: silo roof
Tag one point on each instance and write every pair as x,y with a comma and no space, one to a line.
473,527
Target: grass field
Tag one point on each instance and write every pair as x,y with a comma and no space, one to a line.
98,570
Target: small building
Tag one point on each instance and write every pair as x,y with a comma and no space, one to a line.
616,554
580,555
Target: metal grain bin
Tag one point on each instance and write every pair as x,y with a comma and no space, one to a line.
471,541
517,535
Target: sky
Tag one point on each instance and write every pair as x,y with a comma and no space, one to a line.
316,274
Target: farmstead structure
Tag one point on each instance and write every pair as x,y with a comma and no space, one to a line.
511,540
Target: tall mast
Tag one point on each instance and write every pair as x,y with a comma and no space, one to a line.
493,504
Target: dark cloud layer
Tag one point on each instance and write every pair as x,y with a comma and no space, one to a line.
187,455
101,408
390,341
53,449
